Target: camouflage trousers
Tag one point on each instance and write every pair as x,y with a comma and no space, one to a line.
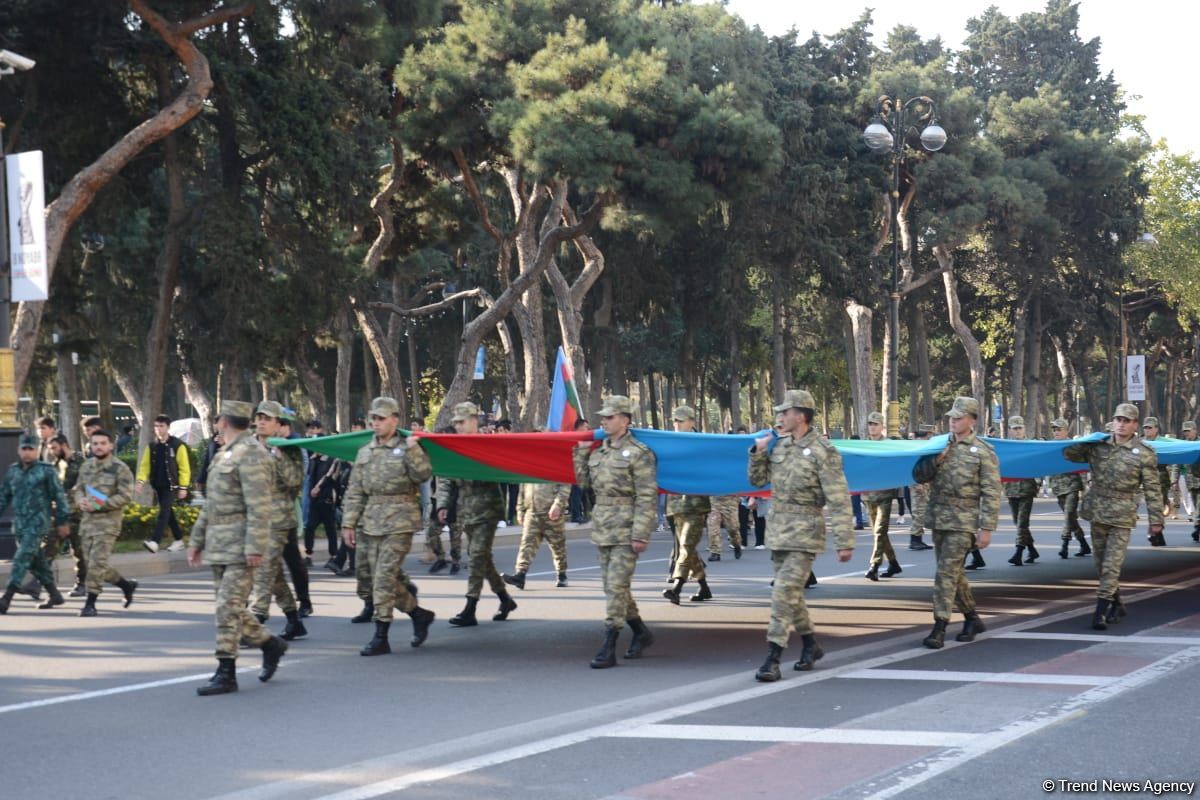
232,584
1108,552
433,539
617,563
880,515
788,611
535,529
1164,484
688,564
480,536
920,501
724,514
1069,503
97,550
52,546
269,580
1021,509
950,585
384,557
1195,493
30,558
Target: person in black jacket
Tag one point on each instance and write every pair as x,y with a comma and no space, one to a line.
323,478
166,465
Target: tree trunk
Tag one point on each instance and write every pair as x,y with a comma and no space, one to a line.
778,359
862,391
313,383
414,373
79,192
735,383
954,308
919,344
129,390
375,338
197,395
69,416
1037,387
511,379
753,393
1066,374
607,343
345,359
568,300
104,398
370,381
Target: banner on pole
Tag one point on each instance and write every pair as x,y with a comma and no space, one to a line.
1135,377
27,227
479,364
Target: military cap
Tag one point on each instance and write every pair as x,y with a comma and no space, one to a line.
1059,423
289,414
1016,422
386,407
270,408
1151,422
27,440
616,404
1189,426
875,417
683,413
1129,410
927,428
796,398
237,408
963,406
462,411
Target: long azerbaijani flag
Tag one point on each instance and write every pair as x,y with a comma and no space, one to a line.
707,463
565,408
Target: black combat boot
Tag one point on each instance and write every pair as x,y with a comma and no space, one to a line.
6,599
672,592
32,590
811,582
977,561
642,638
1084,550
295,628
466,617
422,618
89,606
455,567
737,552
1157,540
507,604
378,645
1100,615
704,594
1031,554
1065,550
872,574
55,598
127,588
1116,610
1196,532
714,556
562,580
438,565
367,614
893,569
80,590
937,637
916,543
272,650
607,657
223,681
262,618
517,580
769,671
809,655
972,625
1016,560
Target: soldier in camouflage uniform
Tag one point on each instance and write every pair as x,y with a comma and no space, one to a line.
1020,494
479,506
1068,487
805,473
1122,466
433,536
879,512
68,463
1150,432
920,499
103,489
964,505
1191,474
33,490
688,513
230,535
622,472
384,498
724,514
540,509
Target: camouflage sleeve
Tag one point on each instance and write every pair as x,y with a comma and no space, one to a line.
199,527
583,476
255,475
124,494
447,494
522,501
291,469
62,509
837,499
1152,487
759,468
1080,452
562,497
645,496
990,491
925,470
352,505
5,493
417,463
77,493
72,477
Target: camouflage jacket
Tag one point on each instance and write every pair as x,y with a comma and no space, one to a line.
624,477
1024,487
287,478
539,498
384,495
36,495
884,495
806,476
70,476
111,478
688,504
1192,475
964,492
1066,483
235,521
1120,473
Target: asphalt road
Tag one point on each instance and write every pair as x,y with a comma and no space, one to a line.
106,707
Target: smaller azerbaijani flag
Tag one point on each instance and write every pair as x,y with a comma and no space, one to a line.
565,409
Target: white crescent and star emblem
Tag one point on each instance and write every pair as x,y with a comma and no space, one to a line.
1136,450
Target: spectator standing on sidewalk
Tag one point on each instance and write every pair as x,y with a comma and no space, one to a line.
166,466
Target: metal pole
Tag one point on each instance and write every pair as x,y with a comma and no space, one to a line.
893,356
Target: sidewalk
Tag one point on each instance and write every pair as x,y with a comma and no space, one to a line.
147,565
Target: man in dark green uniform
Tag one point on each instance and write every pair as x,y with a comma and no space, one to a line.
32,489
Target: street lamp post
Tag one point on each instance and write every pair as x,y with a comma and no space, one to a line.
889,131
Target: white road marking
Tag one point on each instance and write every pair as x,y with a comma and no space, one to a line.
764,733
1182,641
594,566
978,677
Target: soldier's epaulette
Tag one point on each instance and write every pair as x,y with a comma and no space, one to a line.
984,444
638,444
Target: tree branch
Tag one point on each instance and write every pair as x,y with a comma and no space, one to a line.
432,308
468,179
